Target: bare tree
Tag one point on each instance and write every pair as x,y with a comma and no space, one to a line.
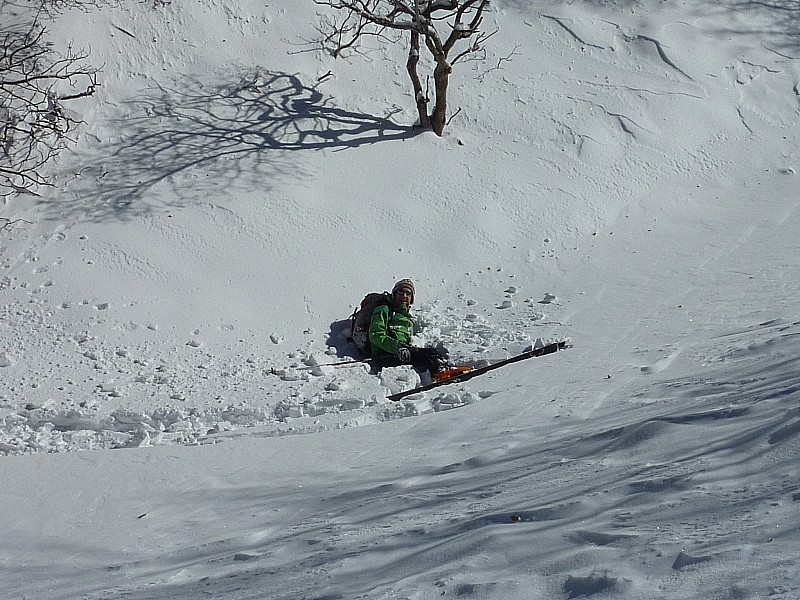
438,25
35,83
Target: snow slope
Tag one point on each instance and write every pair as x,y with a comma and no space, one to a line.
627,178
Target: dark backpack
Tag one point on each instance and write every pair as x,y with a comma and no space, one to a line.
362,315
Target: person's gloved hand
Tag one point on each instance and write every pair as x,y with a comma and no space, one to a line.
404,354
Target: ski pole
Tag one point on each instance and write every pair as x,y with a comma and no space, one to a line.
338,364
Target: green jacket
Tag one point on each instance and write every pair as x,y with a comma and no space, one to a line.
388,334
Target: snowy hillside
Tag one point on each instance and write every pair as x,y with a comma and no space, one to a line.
622,174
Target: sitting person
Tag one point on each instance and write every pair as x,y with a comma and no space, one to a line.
391,329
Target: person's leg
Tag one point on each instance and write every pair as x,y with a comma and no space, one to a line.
385,360
431,359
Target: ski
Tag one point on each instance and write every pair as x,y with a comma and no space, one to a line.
467,375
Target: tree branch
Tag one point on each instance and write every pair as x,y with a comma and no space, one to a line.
423,19
35,82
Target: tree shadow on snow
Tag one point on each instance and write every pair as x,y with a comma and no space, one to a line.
778,23
779,20
203,140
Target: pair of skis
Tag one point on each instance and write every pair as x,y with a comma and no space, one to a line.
462,375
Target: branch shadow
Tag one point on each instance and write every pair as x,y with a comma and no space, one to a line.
779,23
231,137
779,20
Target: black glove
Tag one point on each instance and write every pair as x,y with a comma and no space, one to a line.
404,354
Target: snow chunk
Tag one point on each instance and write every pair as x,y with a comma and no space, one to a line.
319,362
399,379
338,385
548,298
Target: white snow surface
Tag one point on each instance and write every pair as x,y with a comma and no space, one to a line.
624,174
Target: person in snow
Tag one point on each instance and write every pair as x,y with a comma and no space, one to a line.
391,329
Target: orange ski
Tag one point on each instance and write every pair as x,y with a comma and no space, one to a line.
450,372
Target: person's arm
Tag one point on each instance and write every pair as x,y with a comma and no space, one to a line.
379,331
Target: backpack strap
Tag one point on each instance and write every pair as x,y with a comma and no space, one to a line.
353,322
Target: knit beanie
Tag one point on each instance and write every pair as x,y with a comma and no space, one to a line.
405,284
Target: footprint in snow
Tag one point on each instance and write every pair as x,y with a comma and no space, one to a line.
548,298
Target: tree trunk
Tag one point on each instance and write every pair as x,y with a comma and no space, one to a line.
420,98
441,78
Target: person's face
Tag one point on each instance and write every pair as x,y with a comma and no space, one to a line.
402,297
